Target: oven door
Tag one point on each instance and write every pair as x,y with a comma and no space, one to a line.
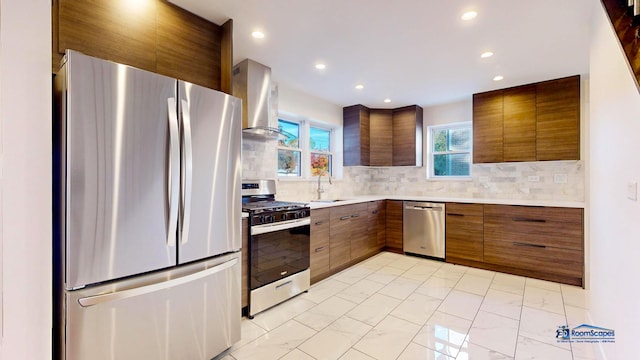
278,250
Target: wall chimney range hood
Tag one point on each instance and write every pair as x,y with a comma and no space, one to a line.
252,83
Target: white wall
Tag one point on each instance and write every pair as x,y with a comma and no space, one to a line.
614,129
298,103
25,120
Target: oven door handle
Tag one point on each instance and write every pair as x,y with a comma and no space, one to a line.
283,225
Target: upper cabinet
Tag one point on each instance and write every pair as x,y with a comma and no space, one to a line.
382,137
161,38
534,122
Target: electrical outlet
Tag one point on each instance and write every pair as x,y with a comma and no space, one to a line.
560,178
632,190
534,178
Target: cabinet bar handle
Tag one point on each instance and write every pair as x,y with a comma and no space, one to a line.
454,214
530,220
319,249
345,217
319,222
355,216
374,212
529,245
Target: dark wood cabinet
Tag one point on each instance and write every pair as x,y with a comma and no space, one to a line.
162,38
464,232
356,136
488,122
558,125
394,226
348,231
407,136
382,137
377,225
319,249
540,242
245,262
520,124
535,122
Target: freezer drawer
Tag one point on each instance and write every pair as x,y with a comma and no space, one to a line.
188,313
423,229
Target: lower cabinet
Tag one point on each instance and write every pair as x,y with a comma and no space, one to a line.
245,262
464,229
320,230
540,242
394,226
348,232
377,217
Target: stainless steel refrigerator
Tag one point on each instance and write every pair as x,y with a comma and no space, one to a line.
147,214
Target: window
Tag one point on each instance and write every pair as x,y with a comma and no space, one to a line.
320,147
307,151
450,151
289,149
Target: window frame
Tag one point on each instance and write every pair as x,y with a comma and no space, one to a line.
293,149
431,153
304,147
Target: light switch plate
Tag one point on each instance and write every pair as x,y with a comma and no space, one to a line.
632,191
533,178
560,178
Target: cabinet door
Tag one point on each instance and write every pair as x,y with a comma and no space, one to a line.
520,123
381,130
407,136
245,262
558,127
320,232
377,225
394,225
359,236
464,229
356,136
340,233
488,127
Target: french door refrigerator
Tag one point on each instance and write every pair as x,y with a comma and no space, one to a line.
147,215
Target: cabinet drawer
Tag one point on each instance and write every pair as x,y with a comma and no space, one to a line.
342,213
557,261
319,259
456,209
320,244
535,214
320,218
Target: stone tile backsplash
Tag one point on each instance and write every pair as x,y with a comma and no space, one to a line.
516,181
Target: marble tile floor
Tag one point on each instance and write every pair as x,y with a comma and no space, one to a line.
393,306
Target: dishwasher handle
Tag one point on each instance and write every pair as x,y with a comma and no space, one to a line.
425,208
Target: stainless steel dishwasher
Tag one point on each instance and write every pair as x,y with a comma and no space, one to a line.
423,229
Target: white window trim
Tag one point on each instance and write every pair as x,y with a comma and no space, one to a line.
430,130
305,151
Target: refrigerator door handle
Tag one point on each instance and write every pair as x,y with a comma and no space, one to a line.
174,171
187,171
125,294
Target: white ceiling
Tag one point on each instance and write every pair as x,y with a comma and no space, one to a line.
411,51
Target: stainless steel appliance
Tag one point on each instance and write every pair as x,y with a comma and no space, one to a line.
252,83
278,246
423,229
148,231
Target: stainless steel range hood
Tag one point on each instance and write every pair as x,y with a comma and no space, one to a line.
252,83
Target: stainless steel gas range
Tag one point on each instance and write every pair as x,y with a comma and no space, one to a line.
279,240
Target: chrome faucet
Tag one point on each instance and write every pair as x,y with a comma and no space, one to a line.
320,189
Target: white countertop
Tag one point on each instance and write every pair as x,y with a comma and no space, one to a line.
360,199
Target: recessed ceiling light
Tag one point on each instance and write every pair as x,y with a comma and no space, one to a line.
321,66
469,15
359,86
257,35
486,54
387,100
498,78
